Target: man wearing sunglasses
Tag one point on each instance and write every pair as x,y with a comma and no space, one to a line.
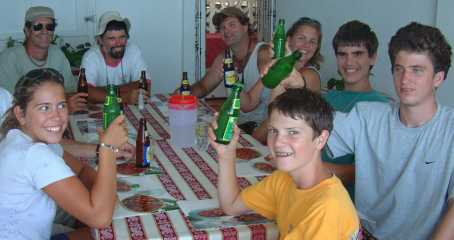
114,61
38,52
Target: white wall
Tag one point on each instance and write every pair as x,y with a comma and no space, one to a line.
385,17
445,21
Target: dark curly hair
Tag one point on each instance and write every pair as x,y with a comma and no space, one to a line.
356,33
419,38
304,104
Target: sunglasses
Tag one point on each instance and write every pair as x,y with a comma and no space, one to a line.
49,27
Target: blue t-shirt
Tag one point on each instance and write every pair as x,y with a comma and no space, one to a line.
344,101
404,175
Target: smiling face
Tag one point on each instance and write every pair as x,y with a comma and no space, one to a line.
305,39
42,38
292,143
232,31
113,43
414,79
45,117
354,64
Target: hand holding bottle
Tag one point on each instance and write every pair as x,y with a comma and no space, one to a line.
132,96
223,150
294,80
116,134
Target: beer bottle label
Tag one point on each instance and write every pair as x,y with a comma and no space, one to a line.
146,155
236,103
230,78
186,92
228,60
228,133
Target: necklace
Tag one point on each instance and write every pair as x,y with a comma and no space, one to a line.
241,63
37,63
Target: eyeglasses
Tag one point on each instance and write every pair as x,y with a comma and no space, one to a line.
49,27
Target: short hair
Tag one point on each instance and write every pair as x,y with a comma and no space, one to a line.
419,38
235,12
304,104
356,33
317,59
116,26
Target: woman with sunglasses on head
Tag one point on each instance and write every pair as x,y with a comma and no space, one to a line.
38,52
304,35
34,178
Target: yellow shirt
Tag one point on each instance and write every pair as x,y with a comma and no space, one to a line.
324,211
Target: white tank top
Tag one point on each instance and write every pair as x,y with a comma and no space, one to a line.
251,75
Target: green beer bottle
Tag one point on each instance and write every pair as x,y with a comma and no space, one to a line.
228,116
279,39
111,106
280,70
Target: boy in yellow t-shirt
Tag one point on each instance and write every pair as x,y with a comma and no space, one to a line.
304,198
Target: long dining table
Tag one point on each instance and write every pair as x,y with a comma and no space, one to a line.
184,174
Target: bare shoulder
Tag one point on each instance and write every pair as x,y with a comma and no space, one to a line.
312,79
310,73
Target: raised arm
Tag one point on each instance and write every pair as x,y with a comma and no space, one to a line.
211,80
251,99
93,206
228,188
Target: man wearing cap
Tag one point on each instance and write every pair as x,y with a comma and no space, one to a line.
249,58
38,52
114,60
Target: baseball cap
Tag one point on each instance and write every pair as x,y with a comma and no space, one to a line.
108,17
36,12
219,17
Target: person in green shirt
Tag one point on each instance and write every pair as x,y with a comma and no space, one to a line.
38,52
355,46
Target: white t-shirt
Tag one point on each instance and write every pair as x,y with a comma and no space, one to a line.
99,74
26,167
251,75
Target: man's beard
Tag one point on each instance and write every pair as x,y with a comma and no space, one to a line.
117,54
